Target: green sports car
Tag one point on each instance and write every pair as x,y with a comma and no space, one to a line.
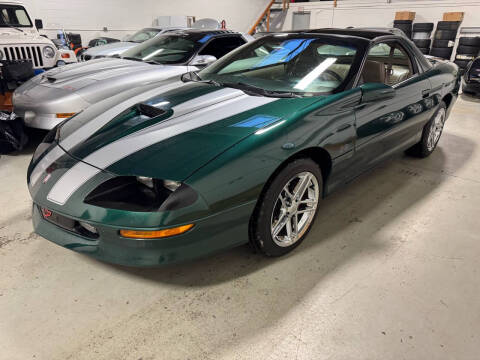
242,151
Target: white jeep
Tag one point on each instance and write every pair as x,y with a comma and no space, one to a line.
20,39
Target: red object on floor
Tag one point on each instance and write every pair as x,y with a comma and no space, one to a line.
6,102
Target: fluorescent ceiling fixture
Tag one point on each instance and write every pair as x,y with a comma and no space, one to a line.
315,73
156,52
264,130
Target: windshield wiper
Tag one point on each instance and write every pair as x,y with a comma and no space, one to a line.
131,58
189,77
263,92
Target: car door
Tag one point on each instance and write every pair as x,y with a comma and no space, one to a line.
388,126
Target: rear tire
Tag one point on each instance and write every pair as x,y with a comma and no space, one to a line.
467,50
287,208
441,43
422,43
444,53
431,134
422,27
470,41
445,34
448,25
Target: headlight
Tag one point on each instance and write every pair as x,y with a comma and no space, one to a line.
48,52
1,55
143,194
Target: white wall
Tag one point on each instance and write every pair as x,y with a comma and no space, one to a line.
381,13
240,15
122,17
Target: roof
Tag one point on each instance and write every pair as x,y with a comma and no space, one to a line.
369,34
206,31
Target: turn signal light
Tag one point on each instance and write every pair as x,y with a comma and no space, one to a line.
65,56
156,234
64,115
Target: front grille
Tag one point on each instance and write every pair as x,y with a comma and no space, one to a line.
32,53
67,223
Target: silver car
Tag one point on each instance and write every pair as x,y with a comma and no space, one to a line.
119,47
51,97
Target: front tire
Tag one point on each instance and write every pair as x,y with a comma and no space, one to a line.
431,134
287,208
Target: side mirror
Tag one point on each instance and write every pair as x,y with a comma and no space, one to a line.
376,92
39,24
203,60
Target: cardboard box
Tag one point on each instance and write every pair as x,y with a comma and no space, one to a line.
453,16
405,15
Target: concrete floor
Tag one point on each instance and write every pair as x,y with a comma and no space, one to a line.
391,270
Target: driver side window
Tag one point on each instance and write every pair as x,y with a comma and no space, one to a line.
222,46
387,63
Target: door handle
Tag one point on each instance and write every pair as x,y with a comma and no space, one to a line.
426,93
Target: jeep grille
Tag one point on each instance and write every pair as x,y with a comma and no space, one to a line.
32,53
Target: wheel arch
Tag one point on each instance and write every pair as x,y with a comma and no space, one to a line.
448,99
318,154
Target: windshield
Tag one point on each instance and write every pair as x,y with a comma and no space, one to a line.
143,35
295,64
14,15
165,49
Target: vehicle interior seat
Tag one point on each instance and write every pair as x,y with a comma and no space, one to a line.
397,74
373,71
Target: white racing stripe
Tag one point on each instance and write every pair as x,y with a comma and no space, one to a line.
52,156
113,152
97,123
92,126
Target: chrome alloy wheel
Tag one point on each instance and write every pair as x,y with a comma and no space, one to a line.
294,209
436,129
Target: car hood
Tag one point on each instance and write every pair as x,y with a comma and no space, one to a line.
74,77
110,49
176,132
92,81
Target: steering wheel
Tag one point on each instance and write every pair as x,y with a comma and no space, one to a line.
331,74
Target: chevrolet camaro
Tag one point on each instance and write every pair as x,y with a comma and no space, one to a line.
240,152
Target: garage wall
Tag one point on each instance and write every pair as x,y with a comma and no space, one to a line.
240,15
123,17
88,17
381,13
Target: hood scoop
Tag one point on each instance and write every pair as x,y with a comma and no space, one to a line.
51,79
149,111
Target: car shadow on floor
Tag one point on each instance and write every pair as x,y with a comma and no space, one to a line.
341,230
470,97
235,295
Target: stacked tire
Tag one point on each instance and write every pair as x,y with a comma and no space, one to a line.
444,39
405,26
421,36
467,50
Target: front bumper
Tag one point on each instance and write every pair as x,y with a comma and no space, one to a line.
38,121
38,104
211,234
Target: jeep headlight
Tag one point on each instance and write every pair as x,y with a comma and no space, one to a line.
48,52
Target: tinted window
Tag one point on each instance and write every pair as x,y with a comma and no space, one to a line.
299,64
165,49
387,63
143,35
14,15
222,46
